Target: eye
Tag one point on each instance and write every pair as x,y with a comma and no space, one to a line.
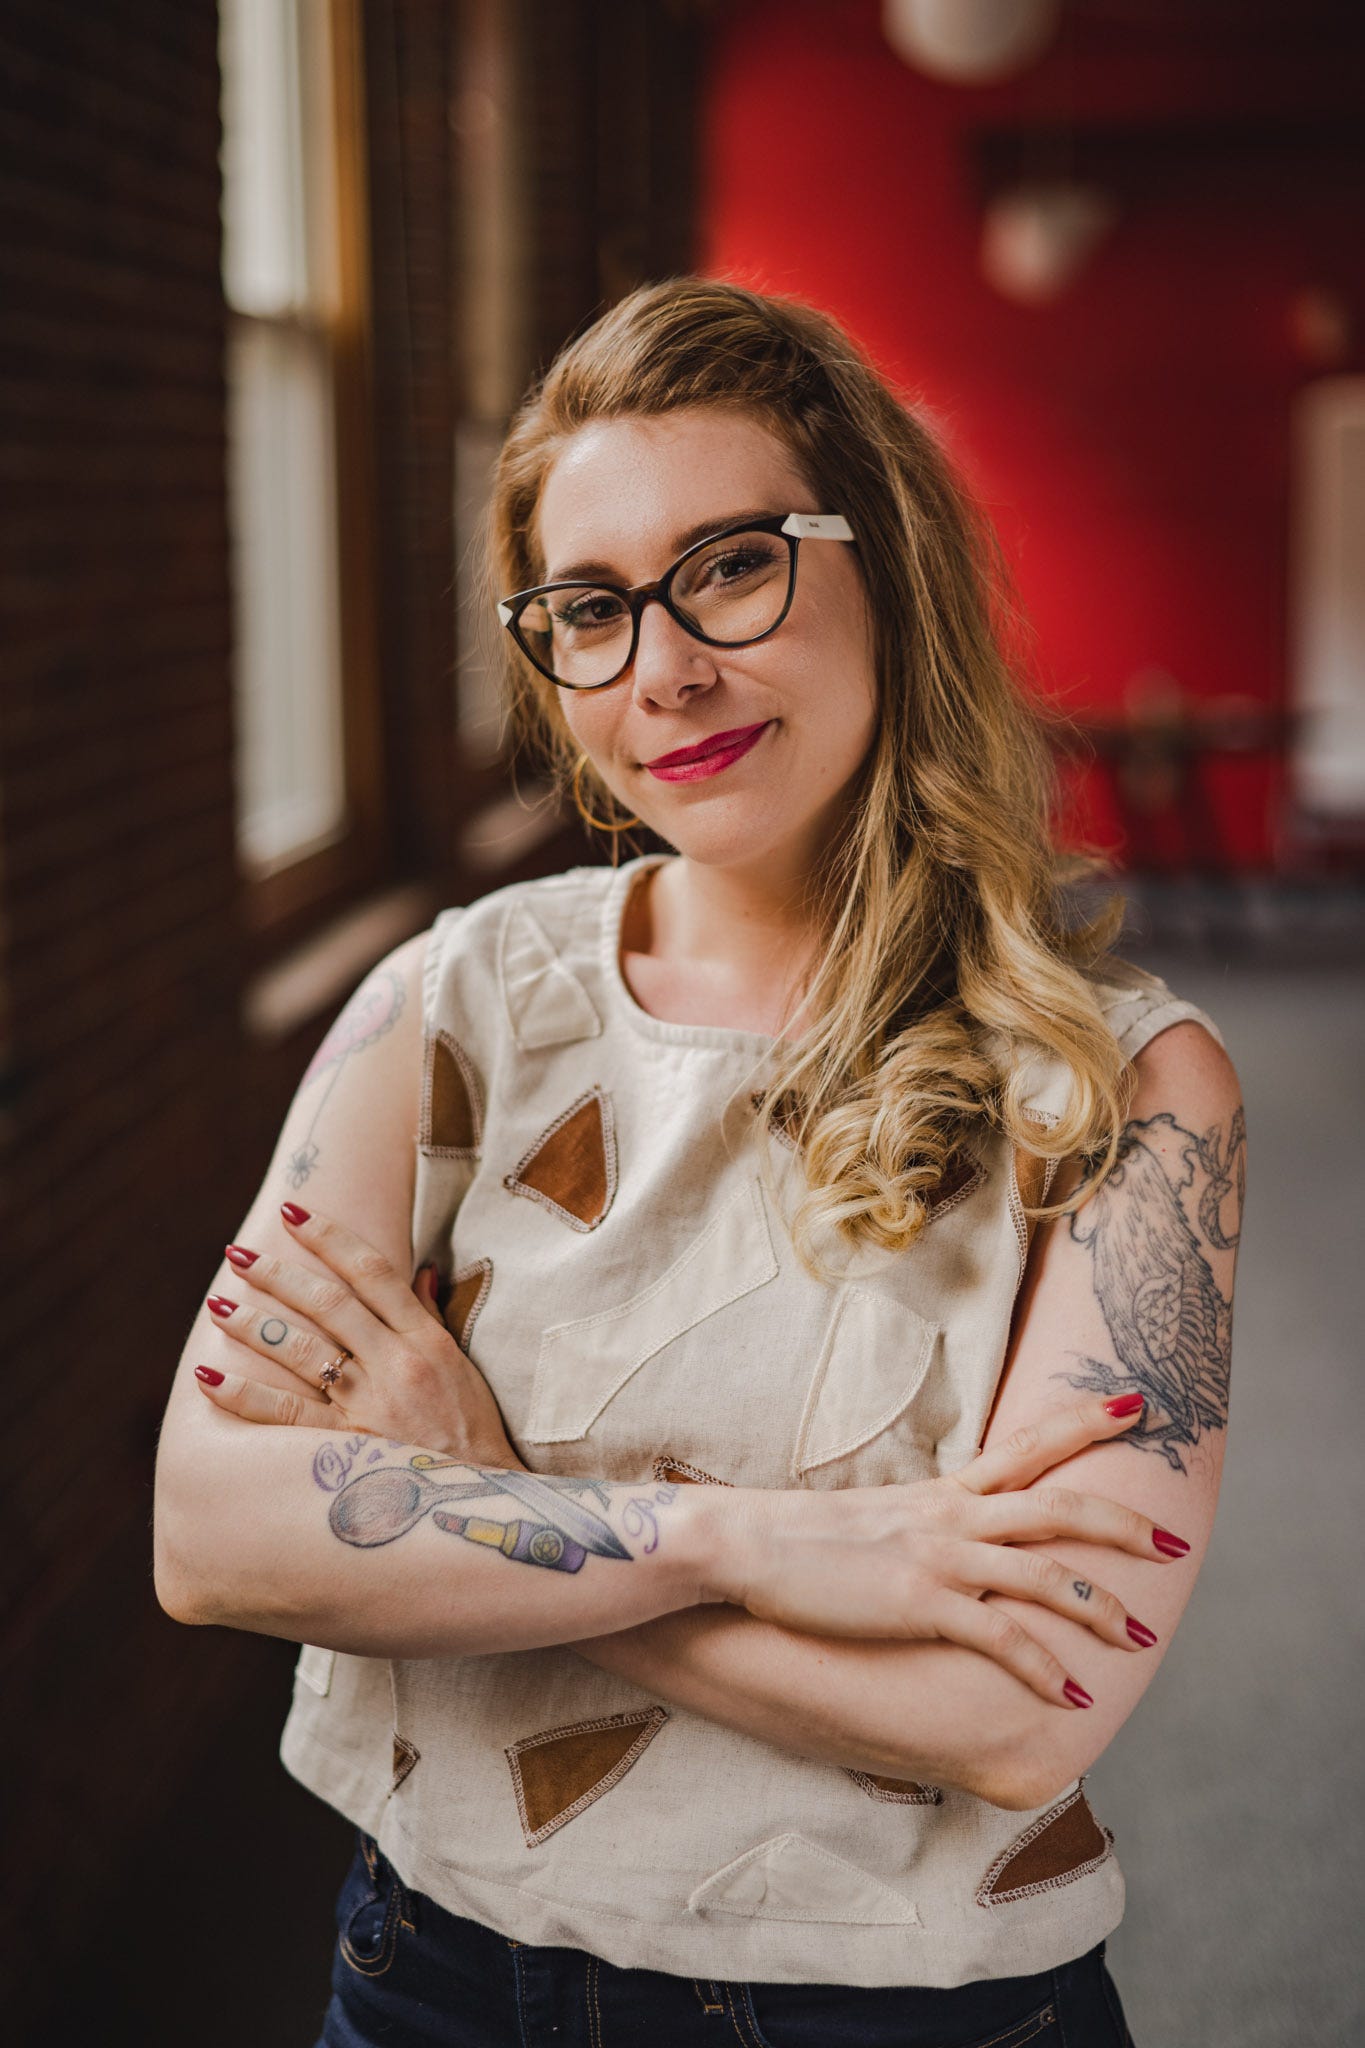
578,614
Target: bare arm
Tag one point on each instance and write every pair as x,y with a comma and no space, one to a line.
263,1529
944,1713
245,1536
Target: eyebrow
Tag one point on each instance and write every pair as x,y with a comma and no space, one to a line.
582,572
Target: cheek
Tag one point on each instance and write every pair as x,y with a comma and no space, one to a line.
590,722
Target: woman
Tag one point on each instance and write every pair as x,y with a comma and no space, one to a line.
731,1332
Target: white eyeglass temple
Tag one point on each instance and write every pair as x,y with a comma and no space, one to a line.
818,525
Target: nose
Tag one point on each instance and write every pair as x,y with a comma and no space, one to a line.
669,666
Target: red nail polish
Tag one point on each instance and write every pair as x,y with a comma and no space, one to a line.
238,1255
207,1374
1124,1404
1173,1546
1140,1633
1077,1694
292,1213
221,1305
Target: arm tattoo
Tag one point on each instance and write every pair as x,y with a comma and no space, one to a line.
373,1010
384,1501
1170,1324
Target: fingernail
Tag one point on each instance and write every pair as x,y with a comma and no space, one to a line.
1077,1694
221,1304
238,1255
1173,1546
1124,1404
207,1374
1140,1633
292,1213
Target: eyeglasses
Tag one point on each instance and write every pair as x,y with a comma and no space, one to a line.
727,591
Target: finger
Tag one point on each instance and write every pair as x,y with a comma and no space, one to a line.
276,1336
371,1277
998,1636
428,1291
1032,1575
325,1299
255,1402
1035,1448
1045,1511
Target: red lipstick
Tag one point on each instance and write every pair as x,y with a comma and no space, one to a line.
708,757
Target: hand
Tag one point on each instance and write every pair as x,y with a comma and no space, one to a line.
407,1378
913,1562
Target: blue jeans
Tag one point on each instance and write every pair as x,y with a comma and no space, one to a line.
409,1974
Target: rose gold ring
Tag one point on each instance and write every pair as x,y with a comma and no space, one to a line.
331,1372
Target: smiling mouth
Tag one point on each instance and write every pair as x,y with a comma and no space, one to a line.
711,757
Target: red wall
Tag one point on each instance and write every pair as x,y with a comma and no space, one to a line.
1131,438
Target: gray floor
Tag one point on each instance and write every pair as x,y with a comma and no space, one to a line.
1235,1792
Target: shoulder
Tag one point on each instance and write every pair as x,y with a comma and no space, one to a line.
1140,1006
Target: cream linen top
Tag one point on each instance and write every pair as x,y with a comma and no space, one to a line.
629,1290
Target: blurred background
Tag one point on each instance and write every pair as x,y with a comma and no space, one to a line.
274,275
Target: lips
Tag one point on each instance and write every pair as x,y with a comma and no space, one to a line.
716,742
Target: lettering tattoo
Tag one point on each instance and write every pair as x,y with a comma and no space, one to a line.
1082,1588
373,1010
1170,1323
383,1501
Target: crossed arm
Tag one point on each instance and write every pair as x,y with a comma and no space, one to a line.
1135,1294
1132,1293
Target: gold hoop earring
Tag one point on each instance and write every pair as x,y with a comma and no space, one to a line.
600,824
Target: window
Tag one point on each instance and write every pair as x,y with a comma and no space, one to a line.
299,482
1328,758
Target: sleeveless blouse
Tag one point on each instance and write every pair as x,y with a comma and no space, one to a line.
586,1173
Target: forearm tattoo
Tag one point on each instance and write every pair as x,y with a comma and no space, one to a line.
384,1500
1170,1323
373,1010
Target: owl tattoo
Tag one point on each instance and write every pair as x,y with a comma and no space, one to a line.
1171,1325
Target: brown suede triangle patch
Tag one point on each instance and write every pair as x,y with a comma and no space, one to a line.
405,1755
1060,1846
571,1168
896,1791
468,1293
672,1470
561,1772
450,1121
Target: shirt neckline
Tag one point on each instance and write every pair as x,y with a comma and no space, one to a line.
721,1037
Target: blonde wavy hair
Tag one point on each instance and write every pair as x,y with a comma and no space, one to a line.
945,948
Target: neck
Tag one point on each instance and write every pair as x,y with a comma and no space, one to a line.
751,932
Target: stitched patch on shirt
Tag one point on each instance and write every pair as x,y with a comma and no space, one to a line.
584,1364
1060,1846
468,1293
405,1755
571,1168
451,1119
872,1364
896,1791
789,1878
673,1469
546,1004
561,1772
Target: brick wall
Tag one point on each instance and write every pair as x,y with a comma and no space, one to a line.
117,888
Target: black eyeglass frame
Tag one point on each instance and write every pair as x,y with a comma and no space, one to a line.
794,527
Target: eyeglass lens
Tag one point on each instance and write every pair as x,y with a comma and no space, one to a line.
731,591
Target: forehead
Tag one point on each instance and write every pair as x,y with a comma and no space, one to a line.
623,490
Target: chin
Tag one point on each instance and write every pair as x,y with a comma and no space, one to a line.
731,836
